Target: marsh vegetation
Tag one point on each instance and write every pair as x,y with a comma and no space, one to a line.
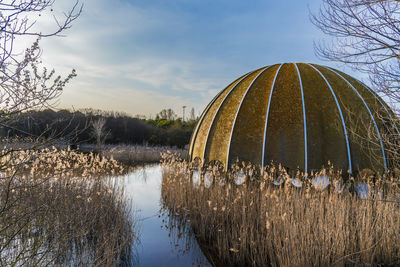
76,127
275,218
131,155
60,207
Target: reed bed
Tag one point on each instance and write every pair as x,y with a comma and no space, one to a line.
276,218
135,154
60,208
129,155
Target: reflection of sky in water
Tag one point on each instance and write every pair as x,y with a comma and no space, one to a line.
156,248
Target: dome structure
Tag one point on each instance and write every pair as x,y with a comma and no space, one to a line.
299,115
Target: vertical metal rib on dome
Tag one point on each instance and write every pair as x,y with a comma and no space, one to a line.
266,116
370,113
220,131
237,112
258,117
341,116
213,119
304,120
194,136
383,105
195,132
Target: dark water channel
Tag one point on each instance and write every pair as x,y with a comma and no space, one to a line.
157,246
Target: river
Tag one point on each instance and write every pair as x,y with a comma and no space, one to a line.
156,245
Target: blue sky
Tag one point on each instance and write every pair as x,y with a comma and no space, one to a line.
140,56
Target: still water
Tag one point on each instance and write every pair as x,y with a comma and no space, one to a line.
157,245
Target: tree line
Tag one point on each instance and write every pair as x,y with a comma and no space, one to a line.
82,126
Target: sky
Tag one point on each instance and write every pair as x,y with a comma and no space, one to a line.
142,56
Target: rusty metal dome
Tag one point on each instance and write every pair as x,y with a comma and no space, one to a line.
296,114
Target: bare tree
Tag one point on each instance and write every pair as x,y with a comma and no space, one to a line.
24,84
366,36
167,114
192,116
99,132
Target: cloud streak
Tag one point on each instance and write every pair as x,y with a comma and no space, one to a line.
140,56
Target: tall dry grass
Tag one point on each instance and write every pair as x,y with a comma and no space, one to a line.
60,208
135,154
267,221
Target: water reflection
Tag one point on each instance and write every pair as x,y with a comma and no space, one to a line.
159,245
166,239
186,241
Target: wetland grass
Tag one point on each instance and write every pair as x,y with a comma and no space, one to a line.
135,154
60,208
267,221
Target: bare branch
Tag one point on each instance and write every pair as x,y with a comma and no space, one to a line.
365,35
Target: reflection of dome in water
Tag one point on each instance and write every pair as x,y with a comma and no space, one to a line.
299,115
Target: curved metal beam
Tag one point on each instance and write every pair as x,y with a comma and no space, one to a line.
304,120
370,113
196,130
383,105
267,114
237,112
341,116
216,112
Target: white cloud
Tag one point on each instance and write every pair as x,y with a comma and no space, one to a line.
142,59
130,79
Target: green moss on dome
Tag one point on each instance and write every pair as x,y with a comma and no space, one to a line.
232,126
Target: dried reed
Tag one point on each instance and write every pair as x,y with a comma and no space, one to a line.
269,220
60,208
134,154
